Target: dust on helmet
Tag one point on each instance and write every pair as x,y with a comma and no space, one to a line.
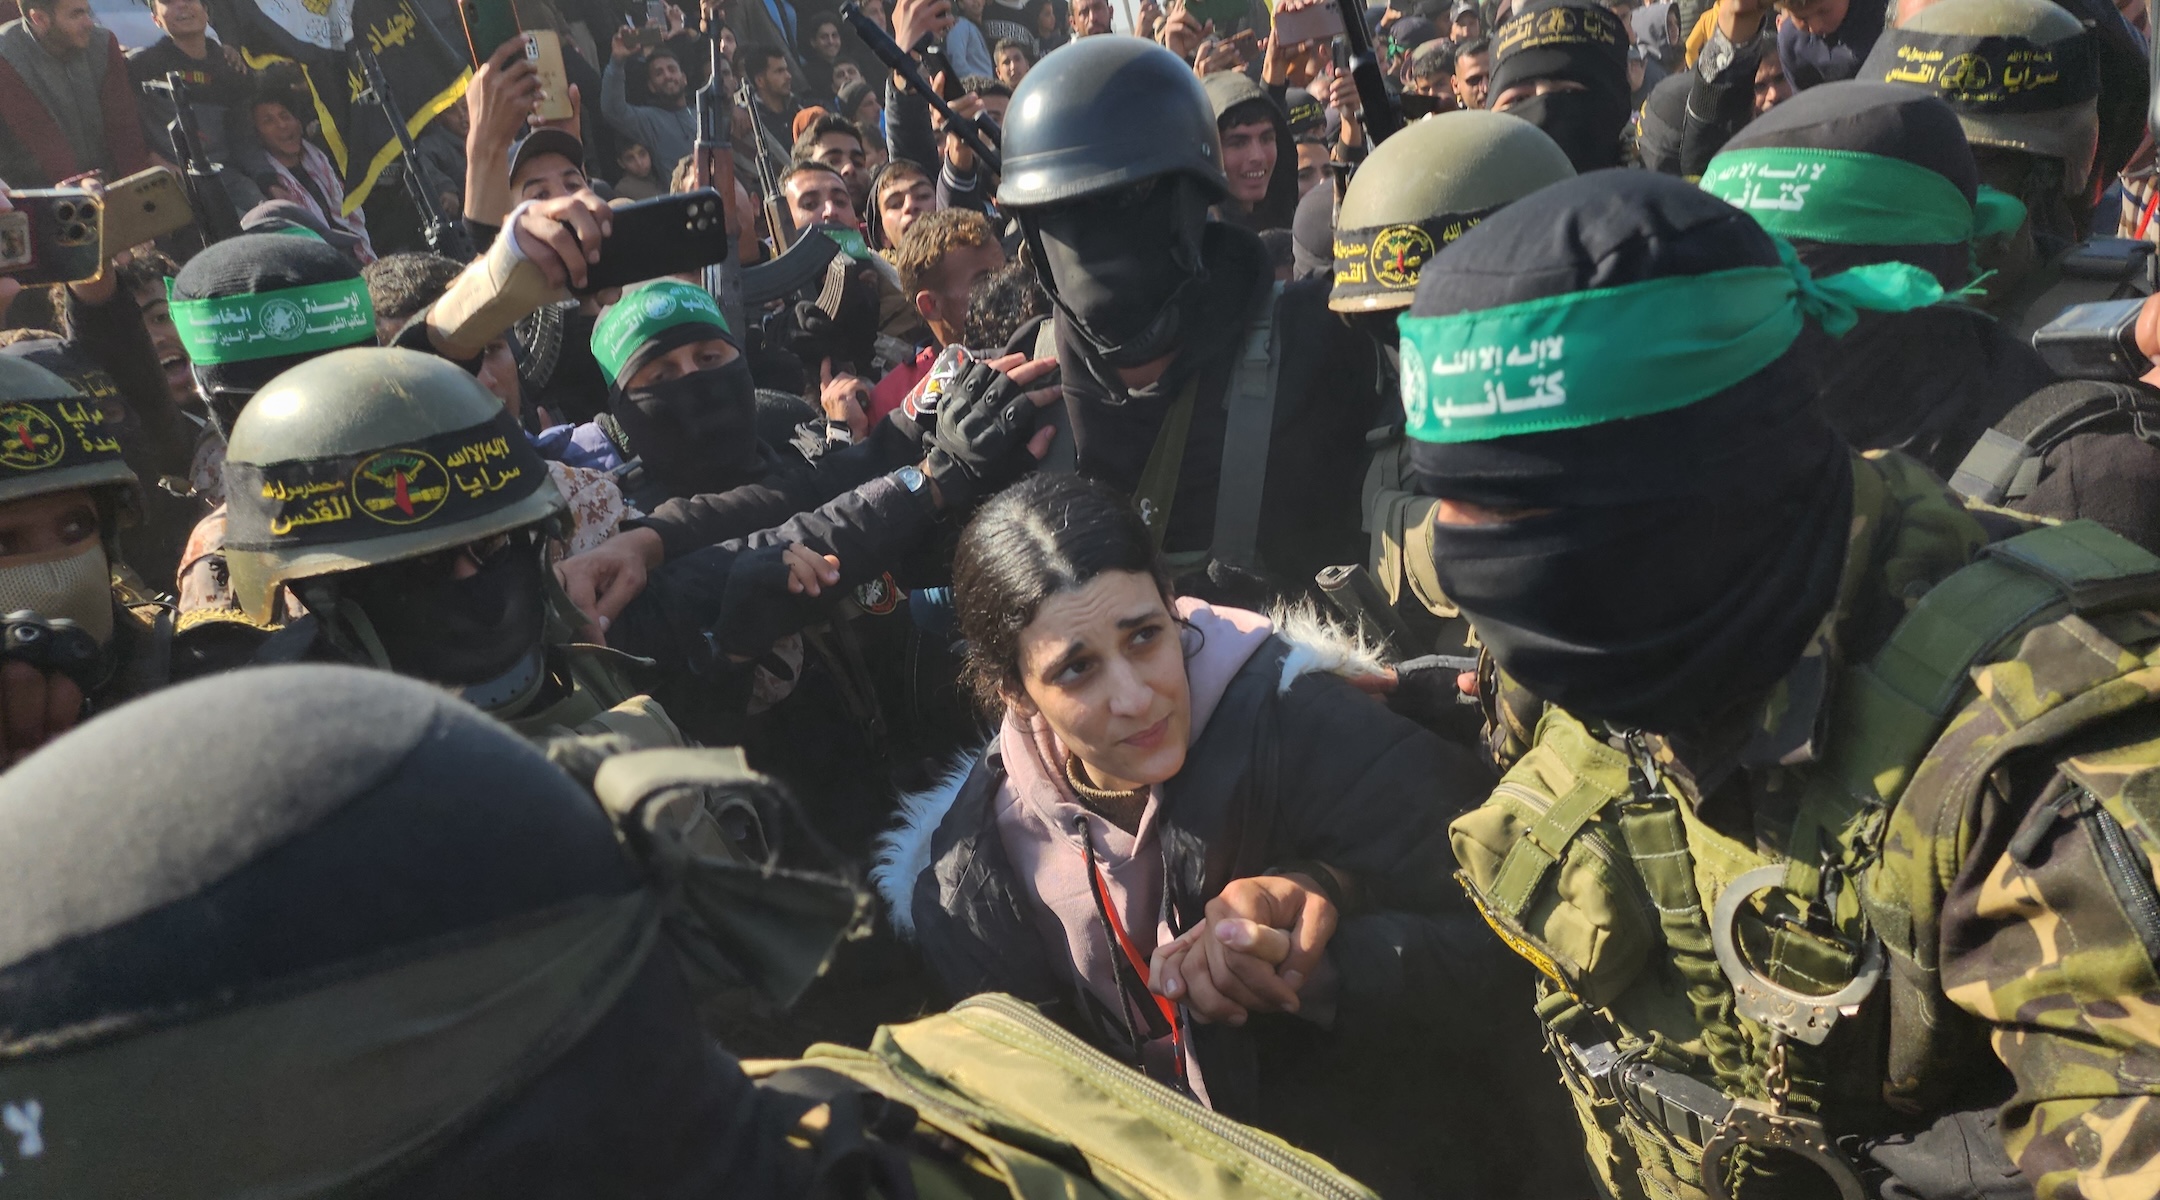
369,456
1423,188
2022,74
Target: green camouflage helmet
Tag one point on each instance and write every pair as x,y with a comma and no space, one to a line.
53,439
1423,188
2022,75
368,456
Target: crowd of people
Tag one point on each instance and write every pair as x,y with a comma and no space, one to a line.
1559,600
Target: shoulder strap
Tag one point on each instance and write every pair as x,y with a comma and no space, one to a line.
1250,404
2005,463
1165,462
1891,710
1064,456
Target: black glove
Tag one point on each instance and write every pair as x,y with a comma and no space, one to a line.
51,644
984,424
1426,691
757,609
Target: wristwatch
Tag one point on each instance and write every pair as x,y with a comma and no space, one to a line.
912,481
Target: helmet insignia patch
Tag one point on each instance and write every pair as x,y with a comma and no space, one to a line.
1398,251
30,440
400,487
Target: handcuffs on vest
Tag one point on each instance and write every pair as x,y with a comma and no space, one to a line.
1719,1123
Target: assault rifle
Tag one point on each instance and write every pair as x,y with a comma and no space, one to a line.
215,218
1382,118
715,168
443,237
903,64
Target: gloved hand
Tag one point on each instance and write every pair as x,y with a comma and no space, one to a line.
771,592
986,434
52,644
1427,690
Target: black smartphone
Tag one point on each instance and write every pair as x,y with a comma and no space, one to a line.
935,64
666,235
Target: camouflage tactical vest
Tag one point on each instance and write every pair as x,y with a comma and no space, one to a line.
1707,1002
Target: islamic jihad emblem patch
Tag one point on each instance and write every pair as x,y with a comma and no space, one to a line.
400,487
29,440
1398,252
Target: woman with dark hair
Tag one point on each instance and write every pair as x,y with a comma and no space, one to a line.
1198,845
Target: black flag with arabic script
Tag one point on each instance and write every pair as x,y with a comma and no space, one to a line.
426,71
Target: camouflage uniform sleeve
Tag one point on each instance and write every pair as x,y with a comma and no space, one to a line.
2041,940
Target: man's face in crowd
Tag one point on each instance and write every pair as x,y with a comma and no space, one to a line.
279,129
664,78
635,160
819,198
67,27
845,73
1466,26
944,304
547,176
1473,74
165,340
1312,166
1435,85
1012,66
903,202
1248,153
180,18
972,10
775,83
1090,17
710,354
1819,17
1771,86
826,41
843,152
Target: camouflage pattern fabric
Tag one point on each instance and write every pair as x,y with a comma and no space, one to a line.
2014,892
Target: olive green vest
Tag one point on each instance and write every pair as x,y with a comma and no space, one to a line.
1707,1002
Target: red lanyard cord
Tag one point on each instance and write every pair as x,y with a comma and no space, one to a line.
1160,1011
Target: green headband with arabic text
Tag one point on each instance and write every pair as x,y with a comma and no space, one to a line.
647,311
1852,198
1585,358
301,320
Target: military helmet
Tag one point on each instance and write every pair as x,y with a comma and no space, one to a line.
54,439
1423,188
368,456
1105,113
2022,75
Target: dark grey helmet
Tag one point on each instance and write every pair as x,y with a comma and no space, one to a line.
1105,113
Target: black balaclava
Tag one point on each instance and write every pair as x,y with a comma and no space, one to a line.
1312,233
287,831
1885,119
1581,43
1689,554
1927,382
462,632
246,265
1121,266
696,433
1664,118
